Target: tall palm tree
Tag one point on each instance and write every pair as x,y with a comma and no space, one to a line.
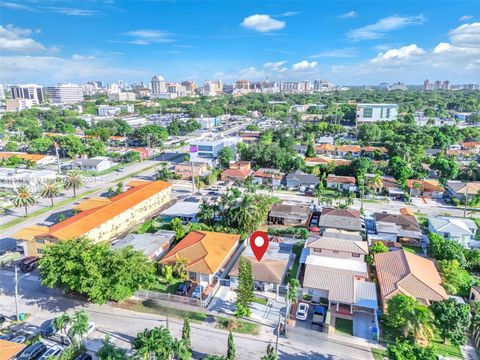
50,190
61,324
79,324
180,268
420,323
154,343
374,182
206,213
30,164
73,180
23,197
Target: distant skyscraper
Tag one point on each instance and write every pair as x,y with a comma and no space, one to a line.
65,94
158,85
28,91
437,85
426,85
446,85
242,85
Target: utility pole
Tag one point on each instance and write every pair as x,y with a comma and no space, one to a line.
287,309
16,293
362,193
193,177
466,201
58,158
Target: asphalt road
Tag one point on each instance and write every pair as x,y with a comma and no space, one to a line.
43,304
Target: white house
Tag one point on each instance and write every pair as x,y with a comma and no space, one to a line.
370,113
97,164
458,229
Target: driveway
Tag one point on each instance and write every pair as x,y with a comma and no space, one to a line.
362,326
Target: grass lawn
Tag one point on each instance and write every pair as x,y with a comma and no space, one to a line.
378,354
155,308
166,288
292,274
261,301
413,249
344,326
238,326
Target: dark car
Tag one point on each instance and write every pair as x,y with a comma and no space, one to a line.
48,328
319,315
184,287
2,319
84,356
8,336
29,263
33,351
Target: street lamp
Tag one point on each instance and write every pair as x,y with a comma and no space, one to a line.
17,279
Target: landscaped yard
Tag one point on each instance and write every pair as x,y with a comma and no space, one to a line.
413,249
166,288
297,250
344,326
378,354
261,301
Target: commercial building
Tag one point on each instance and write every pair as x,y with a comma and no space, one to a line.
108,110
158,86
370,113
28,91
10,179
65,94
103,220
14,105
210,148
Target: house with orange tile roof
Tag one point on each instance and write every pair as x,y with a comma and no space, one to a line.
268,176
430,188
349,150
238,170
207,254
325,149
38,158
342,183
103,222
473,146
9,349
326,161
401,272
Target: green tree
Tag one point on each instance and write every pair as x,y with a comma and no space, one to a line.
150,135
50,190
310,152
40,145
294,285
271,353
406,351
231,347
95,148
179,229
378,247
71,145
73,180
456,280
108,351
180,268
399,169
447,169
186,332
23,197
245,294
452,320
61,323
412,318
79,325
444,249
11,146
225,155
95,270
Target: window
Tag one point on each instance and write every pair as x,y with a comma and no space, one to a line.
368,113
40,241
205,148
388,114
317,250
335,251
355,255
39,251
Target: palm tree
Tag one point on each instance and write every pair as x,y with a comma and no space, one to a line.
61,324
50,190
79,324
374,182
154,343
73,180
180,268
24,197
206,213
420,323
30,164
3,211
180,349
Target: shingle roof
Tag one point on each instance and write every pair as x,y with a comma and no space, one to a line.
346,219
350,246
236,173
471,188
302,177
267,270
205,251
341,179
290,211
83,222
453,226
410,274
405,222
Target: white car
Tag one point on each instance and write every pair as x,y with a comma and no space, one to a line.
302,311
52,352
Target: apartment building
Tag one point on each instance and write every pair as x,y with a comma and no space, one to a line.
65,94
103,221
371,113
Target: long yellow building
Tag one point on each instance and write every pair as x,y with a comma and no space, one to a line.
101,220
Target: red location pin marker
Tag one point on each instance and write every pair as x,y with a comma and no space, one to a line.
259,244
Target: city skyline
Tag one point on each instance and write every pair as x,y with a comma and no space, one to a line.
348,43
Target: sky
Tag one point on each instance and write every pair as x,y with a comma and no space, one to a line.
346,42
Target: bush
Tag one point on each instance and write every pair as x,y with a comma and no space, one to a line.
455,201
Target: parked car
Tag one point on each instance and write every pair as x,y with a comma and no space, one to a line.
184,287
3,319
33,351
51,352
302,311
29,263
20,339
197,292
8,336
319,315
48,328
84,356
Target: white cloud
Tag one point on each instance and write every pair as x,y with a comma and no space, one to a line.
15,6
83,57
304,65
290,13
465,18
51,69
402,53
466,35
71,11
262,23
336,53
349,15
274,65
383,26
16,39
147,37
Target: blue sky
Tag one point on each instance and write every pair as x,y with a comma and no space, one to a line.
347,42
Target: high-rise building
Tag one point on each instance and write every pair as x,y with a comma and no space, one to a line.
446,85
65,94
28,91
190,86
242,85
426,85
158,85
2,92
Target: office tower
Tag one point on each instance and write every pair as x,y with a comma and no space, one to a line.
158,85
28,91
65,94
